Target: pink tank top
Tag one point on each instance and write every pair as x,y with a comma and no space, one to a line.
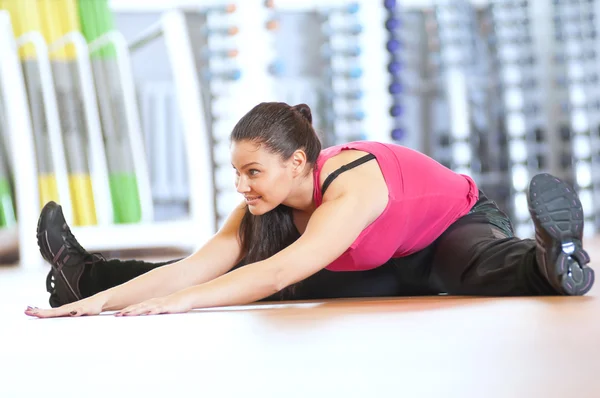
425,198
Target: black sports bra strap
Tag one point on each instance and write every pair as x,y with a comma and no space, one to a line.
345,167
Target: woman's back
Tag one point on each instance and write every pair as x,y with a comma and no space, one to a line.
424,199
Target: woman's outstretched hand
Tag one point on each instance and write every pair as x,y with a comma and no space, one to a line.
88,306
172,304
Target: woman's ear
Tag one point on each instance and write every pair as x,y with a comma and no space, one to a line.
298,161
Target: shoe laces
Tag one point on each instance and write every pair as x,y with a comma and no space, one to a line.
74,247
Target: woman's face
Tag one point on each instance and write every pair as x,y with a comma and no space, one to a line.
262,177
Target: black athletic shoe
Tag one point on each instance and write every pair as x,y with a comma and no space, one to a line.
558,217
59,247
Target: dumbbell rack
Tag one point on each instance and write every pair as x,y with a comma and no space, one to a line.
473,143
445,90
325,52
234,84
574,24
537,126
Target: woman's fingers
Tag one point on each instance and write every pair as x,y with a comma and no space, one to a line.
145,308
142,309
68,310
78,309
126,310
155,311
131,310
82,308
65,310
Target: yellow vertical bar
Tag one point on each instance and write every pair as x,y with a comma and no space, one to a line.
51,25
25,18
28,17
70,22
47,183
61,18
11,7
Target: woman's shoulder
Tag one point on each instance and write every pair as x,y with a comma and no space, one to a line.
365,181
354,178
334,157
341,158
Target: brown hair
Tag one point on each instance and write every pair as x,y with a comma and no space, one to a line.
282,129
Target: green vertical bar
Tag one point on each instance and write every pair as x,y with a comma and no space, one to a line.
7,208
106,24
86,19
97,20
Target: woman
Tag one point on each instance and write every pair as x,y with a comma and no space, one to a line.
357,220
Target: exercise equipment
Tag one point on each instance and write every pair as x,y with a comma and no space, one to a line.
7,208
60,18
97,20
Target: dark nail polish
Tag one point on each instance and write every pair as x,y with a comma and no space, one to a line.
73,312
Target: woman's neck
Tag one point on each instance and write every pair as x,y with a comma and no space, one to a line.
302,198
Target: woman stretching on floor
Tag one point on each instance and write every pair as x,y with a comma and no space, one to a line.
364,219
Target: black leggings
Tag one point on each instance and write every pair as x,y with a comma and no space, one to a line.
477,255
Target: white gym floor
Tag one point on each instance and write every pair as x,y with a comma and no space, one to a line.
398,347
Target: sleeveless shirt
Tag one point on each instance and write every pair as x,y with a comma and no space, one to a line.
424,199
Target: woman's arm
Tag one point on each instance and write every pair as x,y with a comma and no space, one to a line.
215,258
344,218
352,202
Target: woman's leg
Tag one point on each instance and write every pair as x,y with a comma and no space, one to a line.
474,257
75,273
104,274
380,282
407,276
479,254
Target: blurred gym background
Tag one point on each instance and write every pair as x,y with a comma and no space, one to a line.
120,110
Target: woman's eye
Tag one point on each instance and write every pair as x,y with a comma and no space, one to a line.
253,172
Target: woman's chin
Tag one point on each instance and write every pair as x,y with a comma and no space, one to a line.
259,210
